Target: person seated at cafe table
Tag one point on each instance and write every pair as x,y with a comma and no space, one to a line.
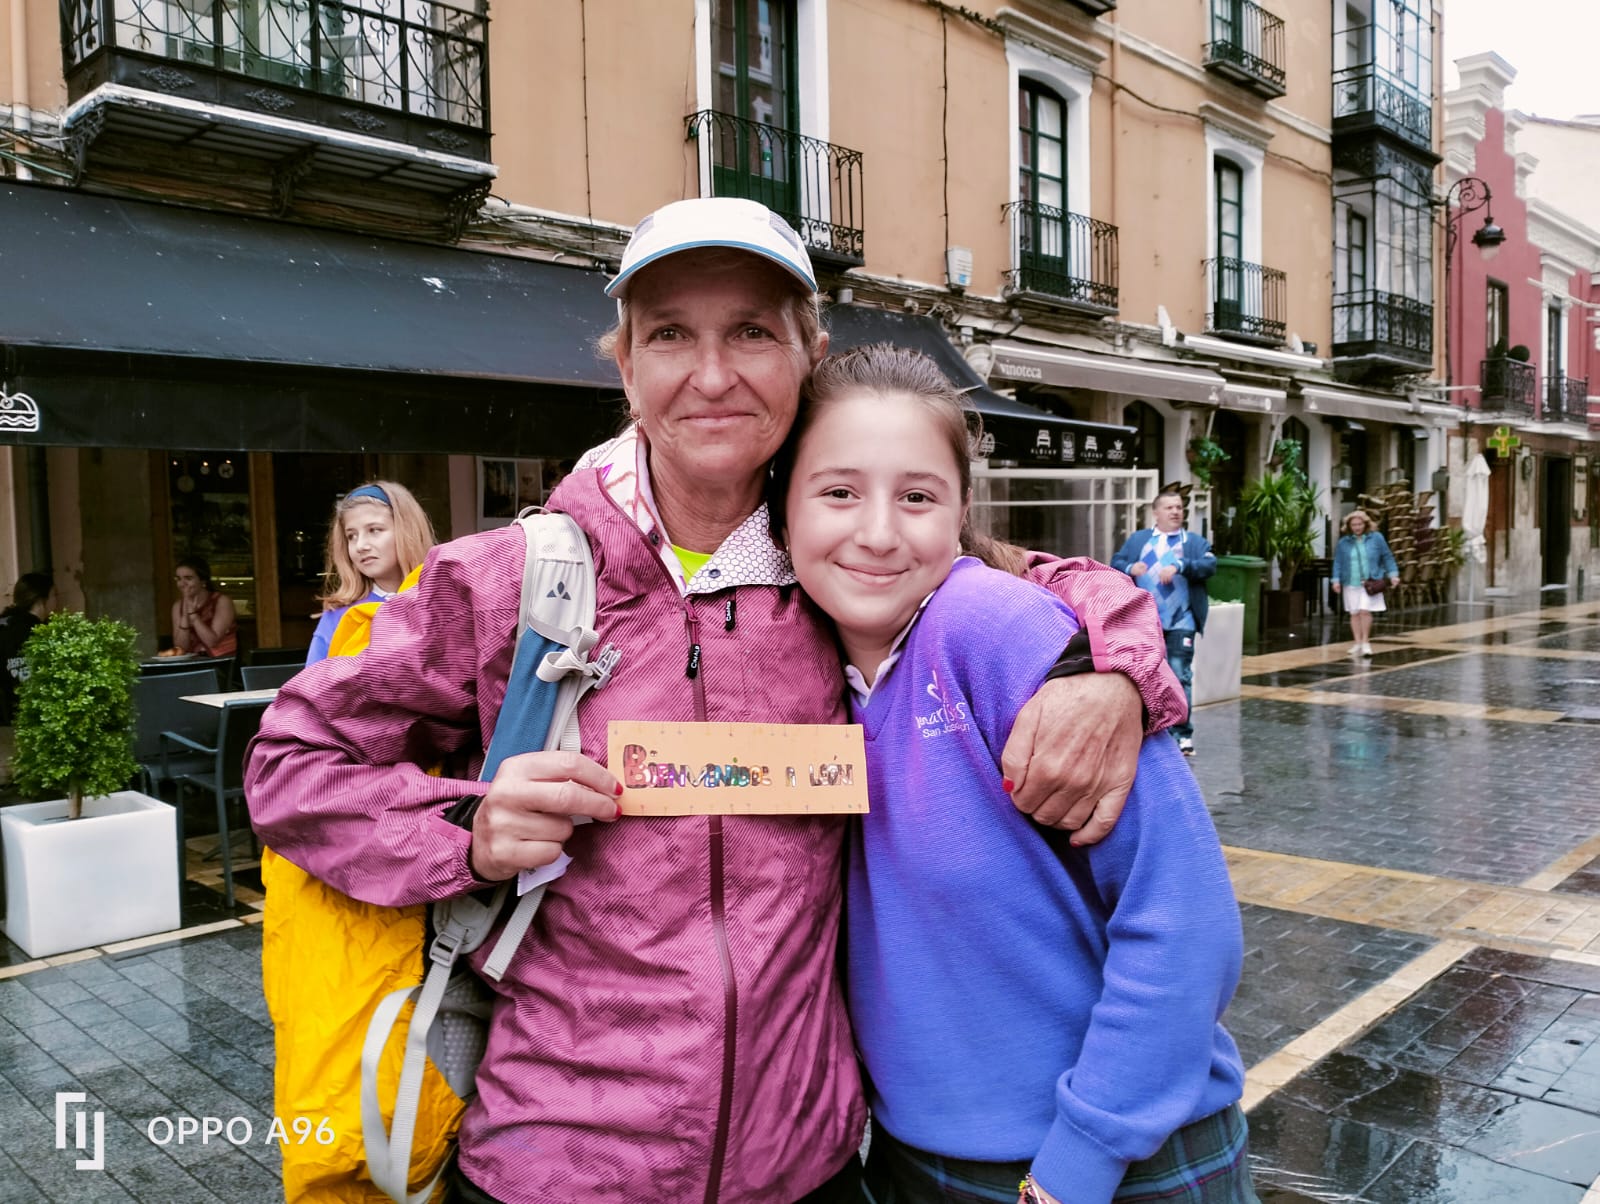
204,622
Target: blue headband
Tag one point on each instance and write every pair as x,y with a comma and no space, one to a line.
369,491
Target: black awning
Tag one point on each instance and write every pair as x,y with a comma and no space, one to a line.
143,325
1021,432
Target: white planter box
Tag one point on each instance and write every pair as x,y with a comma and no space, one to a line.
108,876
1218,654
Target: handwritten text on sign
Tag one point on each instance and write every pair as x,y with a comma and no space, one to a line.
739,768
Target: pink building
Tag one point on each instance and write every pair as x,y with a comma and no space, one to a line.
1521,344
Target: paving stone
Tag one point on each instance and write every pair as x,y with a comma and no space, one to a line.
1299,1149
1426,1173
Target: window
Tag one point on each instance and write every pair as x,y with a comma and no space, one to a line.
1497,324
754,55
1151,441
1228,284
1042,182
1555,341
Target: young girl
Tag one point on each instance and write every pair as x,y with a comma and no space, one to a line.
379,534
1024,1010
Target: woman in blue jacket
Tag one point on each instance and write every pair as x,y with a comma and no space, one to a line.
1362,555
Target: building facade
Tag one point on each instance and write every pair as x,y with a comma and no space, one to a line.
1524,355
269,253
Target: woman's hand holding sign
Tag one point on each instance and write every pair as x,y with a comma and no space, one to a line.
531,806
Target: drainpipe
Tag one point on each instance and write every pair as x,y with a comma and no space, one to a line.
21,106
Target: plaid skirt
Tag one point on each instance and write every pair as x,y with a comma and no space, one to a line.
1202,1163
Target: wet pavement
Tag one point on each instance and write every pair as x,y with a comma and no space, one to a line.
1413,839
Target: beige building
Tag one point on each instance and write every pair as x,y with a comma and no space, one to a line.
307,250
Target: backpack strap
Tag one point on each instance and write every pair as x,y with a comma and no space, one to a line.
555,632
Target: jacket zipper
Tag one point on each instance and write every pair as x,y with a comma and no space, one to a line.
719,928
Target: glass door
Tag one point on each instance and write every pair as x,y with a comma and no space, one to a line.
757,150
1042,189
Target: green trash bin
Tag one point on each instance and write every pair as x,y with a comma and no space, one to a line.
1238,579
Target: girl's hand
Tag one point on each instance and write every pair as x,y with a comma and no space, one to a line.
528,813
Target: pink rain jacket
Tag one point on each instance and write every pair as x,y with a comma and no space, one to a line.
671,1028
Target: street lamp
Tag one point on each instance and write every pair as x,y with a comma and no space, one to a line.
1466,195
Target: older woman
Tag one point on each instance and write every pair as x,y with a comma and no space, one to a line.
1362,555
671,1028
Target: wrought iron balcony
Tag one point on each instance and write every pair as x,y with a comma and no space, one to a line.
1366,99
1507,386
1383,327
1095,7
1248,301
1566,399
1065,257
813,185
1247,46
411,71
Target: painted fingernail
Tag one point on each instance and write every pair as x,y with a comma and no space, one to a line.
1007,785
618,815
618,791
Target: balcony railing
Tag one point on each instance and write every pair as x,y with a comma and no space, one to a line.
1365,98
1507,386
1248,301
1384,325
1247,46
1566,399
1094,6
813,185
421,58
1066,257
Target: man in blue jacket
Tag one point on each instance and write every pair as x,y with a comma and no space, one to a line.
1173,564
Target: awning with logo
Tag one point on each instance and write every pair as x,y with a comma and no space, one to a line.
1019,432
1060,368
132,324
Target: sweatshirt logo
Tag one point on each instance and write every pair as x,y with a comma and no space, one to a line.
949,716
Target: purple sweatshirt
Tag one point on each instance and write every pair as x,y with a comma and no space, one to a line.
1011,1005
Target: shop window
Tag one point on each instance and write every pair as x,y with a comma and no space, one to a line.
208,507
1151,441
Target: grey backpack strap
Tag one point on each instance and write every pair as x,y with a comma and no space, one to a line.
462,925
558,602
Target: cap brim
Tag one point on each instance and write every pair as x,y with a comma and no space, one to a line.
620,281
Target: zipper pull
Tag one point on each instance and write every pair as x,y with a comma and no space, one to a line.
728,614
692,669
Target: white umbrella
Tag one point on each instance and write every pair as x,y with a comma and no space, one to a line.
1475,518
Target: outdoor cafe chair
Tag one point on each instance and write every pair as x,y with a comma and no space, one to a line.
268,677
295,656
223,777
159,707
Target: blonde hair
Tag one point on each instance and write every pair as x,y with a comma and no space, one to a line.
342,582
888,370
1364,516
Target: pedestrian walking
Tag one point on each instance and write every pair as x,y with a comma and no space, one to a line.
1363,568
1173,564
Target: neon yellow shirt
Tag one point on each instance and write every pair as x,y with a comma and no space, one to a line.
692,562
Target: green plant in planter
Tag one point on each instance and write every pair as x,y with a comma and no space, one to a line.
1277,521
1205,453
74,722
1520,353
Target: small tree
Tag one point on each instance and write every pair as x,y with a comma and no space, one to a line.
74,723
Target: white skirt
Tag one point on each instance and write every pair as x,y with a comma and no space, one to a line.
1356,598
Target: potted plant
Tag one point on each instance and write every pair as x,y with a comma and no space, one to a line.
1205,453
101,863
1277,521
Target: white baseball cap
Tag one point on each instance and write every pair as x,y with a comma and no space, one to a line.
722,221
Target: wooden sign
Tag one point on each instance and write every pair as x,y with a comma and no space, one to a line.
739,768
